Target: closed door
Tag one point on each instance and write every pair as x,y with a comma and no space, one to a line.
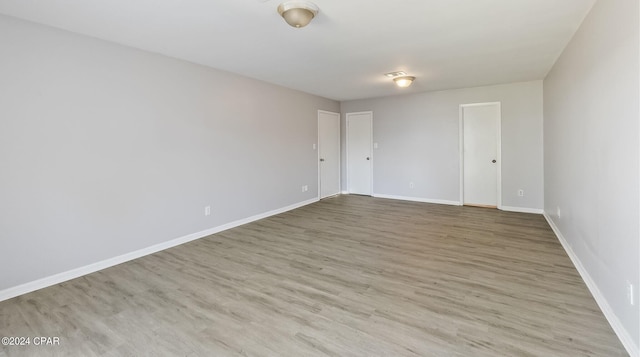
481,123
329,153
359,159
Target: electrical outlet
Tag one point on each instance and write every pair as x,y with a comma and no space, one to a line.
375,145
558,212
411,185
305,188
207,211
314,146
630,293
521,192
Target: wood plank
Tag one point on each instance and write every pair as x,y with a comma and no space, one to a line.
347,276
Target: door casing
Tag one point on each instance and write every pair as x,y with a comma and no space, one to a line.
498,149
333,161
370,152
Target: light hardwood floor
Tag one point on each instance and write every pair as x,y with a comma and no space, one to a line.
347,276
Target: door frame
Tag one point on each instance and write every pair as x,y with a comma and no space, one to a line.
339,156
498,147
347,149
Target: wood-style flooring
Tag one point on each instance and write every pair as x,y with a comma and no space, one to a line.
347,276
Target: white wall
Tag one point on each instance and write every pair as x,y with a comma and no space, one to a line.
105,149
591,115
418,141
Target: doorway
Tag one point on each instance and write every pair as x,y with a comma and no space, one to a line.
480,155
359,157
328,153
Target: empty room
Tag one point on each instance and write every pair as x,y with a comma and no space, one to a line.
319,178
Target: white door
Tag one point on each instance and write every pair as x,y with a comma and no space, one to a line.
481,166
329,153
359,158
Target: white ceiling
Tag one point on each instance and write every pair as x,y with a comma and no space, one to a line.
346,49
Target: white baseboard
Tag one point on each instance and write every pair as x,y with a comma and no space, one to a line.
91,268
417,199
522,209
344,192
615,323
456,203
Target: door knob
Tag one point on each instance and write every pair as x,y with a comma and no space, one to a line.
367,158
321,159
494,161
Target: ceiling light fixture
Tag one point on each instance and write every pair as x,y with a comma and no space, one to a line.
298,13
404,81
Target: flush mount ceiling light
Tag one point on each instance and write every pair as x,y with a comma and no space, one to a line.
298,13
404,81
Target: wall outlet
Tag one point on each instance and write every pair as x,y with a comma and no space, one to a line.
207,211
375,145
558,212
411,185
630,293
521,192
305,188
314,146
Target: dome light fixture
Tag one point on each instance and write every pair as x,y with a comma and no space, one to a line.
298,13
404,81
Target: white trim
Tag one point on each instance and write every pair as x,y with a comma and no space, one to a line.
461,151
318,153
602,302
344,192
522,209
498,148
370,148
346,151
339,156
371,155
91,268
418,199
499,154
